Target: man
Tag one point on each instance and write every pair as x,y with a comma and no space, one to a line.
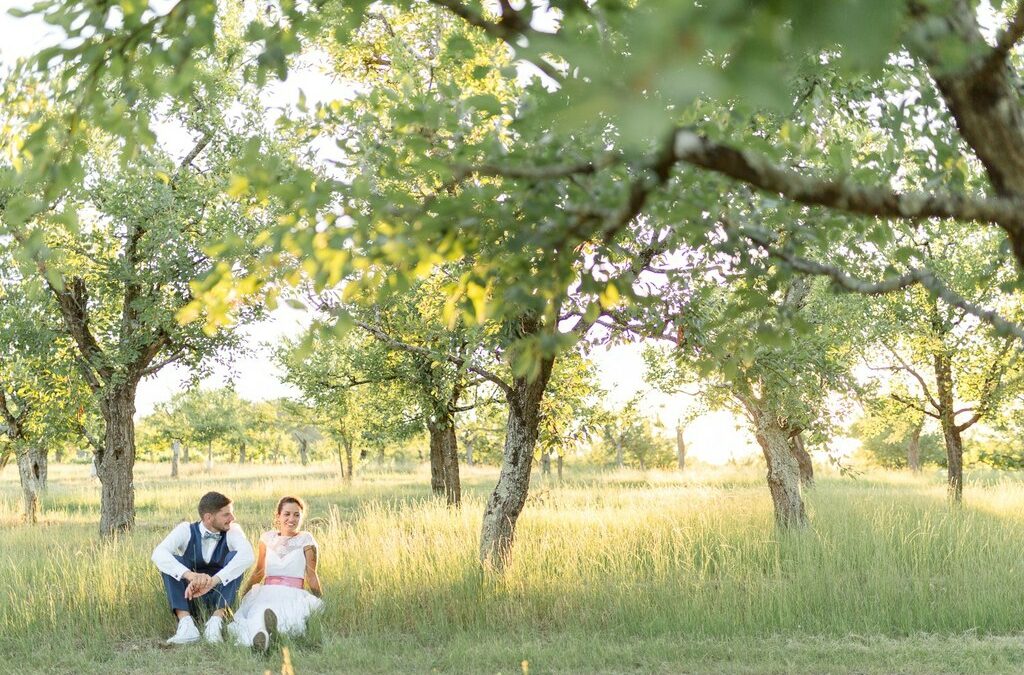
202,564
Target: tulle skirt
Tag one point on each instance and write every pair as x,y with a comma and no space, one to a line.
291,605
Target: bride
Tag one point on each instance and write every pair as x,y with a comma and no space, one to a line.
286,560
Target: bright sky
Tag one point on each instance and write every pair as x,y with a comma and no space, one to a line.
712,438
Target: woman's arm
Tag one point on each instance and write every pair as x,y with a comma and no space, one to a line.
312,580
258,572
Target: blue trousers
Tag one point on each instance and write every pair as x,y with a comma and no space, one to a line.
217,598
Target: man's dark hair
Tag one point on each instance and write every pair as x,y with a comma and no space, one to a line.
212,502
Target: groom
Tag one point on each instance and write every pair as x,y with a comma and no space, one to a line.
202,564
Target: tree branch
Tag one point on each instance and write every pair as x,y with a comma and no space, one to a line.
200,145
922,276
1007,38
507,30
542,172
13,423
423,351
761,172
176,356
917,376
913,405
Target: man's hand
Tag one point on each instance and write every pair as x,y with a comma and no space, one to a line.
198,585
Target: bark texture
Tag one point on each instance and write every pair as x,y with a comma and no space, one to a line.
506,501
444,460
680,448
783,467
32,467
914,447
175,453
803,459
115,465
950,430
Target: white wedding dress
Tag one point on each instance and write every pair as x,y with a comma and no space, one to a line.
285,561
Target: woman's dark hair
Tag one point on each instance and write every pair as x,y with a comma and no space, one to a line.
290,500
212,502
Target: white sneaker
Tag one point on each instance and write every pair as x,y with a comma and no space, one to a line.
214,631
187,632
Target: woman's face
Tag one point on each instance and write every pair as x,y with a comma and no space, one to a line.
290,518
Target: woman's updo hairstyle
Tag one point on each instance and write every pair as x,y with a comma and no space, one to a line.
290,500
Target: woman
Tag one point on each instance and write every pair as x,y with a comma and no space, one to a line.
285,561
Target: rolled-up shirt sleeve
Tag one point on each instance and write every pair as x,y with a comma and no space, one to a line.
172,545
244,555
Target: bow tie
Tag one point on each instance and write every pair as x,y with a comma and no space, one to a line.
211,535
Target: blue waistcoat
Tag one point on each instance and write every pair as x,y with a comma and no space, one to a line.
193,556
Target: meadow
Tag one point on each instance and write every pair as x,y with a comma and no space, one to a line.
613,571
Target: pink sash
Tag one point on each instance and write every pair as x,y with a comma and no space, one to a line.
294,582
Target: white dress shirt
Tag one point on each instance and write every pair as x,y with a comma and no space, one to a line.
177,541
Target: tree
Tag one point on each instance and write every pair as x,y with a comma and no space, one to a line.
120,252
703,99
348,380
631,439
642,139
42,400
953,368
211,415
893,436
774,364
407,326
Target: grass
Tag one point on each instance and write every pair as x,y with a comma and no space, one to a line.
612,572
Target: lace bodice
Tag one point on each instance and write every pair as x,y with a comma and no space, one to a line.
285,556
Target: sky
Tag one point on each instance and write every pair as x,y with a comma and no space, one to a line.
714,438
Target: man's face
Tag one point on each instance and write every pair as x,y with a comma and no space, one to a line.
221,520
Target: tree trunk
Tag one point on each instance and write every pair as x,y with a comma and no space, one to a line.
469,451
347,472
619,458
506,501
680,448
185,457
341,459
175,451
209,456
241,453
914,448
545,463
783,468
950,432
558,464
304,451
32,467
452,480
115,464
803,460
444,461
436,459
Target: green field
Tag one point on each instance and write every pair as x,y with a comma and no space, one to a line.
612,572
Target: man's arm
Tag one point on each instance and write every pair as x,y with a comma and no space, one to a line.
172,545
244,555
